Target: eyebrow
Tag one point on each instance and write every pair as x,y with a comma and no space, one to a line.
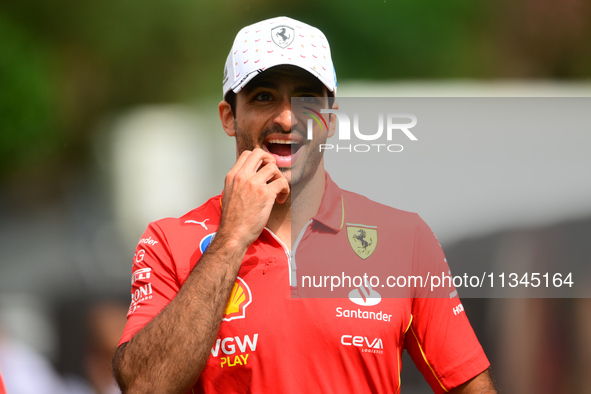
270,84
262,84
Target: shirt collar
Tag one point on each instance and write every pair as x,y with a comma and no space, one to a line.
332,209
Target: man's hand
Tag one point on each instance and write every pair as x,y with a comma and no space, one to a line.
169,353
481,384
252,186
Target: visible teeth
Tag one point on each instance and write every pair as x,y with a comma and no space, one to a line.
286,142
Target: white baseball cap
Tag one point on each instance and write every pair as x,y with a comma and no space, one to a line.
278,41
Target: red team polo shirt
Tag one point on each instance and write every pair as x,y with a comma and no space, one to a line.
273,337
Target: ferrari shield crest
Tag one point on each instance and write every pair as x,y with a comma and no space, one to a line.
363,239
282,36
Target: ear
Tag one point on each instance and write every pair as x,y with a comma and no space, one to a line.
332,120
227,118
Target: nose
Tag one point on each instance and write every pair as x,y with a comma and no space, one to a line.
284,118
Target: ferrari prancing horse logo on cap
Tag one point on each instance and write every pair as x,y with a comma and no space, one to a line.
282,35
363,239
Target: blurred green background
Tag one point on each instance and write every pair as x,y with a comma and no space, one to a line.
65,64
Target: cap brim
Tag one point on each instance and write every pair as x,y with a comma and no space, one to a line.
237,87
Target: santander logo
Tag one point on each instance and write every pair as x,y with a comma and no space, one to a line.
364,295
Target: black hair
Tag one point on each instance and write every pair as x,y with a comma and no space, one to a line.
231,99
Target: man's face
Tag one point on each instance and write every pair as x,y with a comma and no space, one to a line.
264,119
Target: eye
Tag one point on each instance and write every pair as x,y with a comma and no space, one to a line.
263,96
310,100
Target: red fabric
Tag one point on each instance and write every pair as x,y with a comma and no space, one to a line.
2,389
276,338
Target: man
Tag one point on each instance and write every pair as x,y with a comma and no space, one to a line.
216,295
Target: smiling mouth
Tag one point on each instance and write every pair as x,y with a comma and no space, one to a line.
282,148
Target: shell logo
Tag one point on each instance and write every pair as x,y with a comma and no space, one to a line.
240,298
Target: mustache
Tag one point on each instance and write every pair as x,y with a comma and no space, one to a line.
276,129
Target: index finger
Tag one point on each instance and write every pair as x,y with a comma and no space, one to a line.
257,159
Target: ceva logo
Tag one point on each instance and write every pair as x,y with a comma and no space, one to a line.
240,298
364,295
359,341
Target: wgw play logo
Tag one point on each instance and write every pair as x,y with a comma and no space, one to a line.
394,124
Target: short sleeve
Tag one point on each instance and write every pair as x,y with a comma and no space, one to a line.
440,339
154,281
2,389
